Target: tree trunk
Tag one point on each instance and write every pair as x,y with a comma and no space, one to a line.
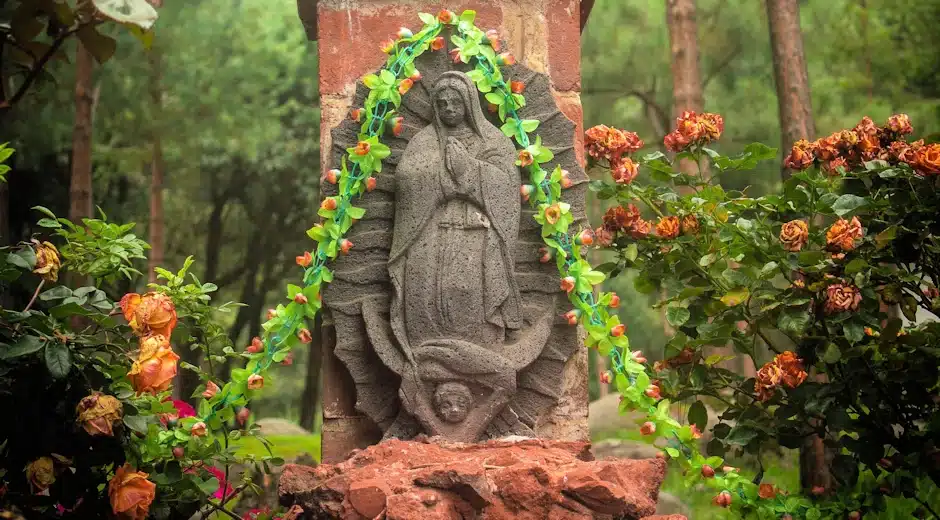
156,169
793,99
686,77
80,198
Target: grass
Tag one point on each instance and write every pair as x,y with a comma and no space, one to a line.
285,446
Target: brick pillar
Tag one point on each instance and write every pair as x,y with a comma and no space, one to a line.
544,35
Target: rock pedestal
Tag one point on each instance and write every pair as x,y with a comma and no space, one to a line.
524,479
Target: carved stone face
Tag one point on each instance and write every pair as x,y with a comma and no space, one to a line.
452,402
450,107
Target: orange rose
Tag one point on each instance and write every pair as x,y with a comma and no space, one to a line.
692,128
835,166
792,368
155,368
604,142
152,313
641,229
47,261
624,170
927,160
668,227
767,491
842,298
131,493
841,236
98,412
768,378
41,474
801,155
794,235
689,225
620,218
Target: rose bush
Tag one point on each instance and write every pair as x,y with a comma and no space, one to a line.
90,429
831,276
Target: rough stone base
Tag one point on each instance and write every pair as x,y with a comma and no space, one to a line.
522,479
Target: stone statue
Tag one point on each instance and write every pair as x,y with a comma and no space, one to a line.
451,267
444,318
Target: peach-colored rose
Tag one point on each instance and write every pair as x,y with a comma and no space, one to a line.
604,142
199,429
41,474
689,225
768,378
624,170
841,236
131,493
842,298
927,160
641,229
155,368
668,227
794,234
602,235
692,128
152,313
801,155
899,124
98,412
48,261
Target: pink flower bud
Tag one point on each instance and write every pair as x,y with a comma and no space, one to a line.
304,336
332,176
304,260
198,429
517,87
708,471
653,391
344,246
289,360
211,390
437,43
356,114
178,452
371,182
243,414
388,46
416,76
618,330
696,433
404,32
565,179
526,190
328,204
585,237
405,85
614,301
567,284
648,428
572,316
272,313
604,378
493,36
255,346
255,382
505,59
300,298
638,356
545,255
455,55
722,499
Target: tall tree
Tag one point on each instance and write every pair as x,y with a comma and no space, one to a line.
80,193
683,47
790,75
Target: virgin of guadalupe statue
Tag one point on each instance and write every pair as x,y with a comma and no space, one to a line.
455,296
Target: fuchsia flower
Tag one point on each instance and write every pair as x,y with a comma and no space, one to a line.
225,489
183,409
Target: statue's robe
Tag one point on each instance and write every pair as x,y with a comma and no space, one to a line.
451,264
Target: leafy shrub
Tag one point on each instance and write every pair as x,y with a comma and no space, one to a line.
823,274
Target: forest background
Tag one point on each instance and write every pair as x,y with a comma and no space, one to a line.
210,140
